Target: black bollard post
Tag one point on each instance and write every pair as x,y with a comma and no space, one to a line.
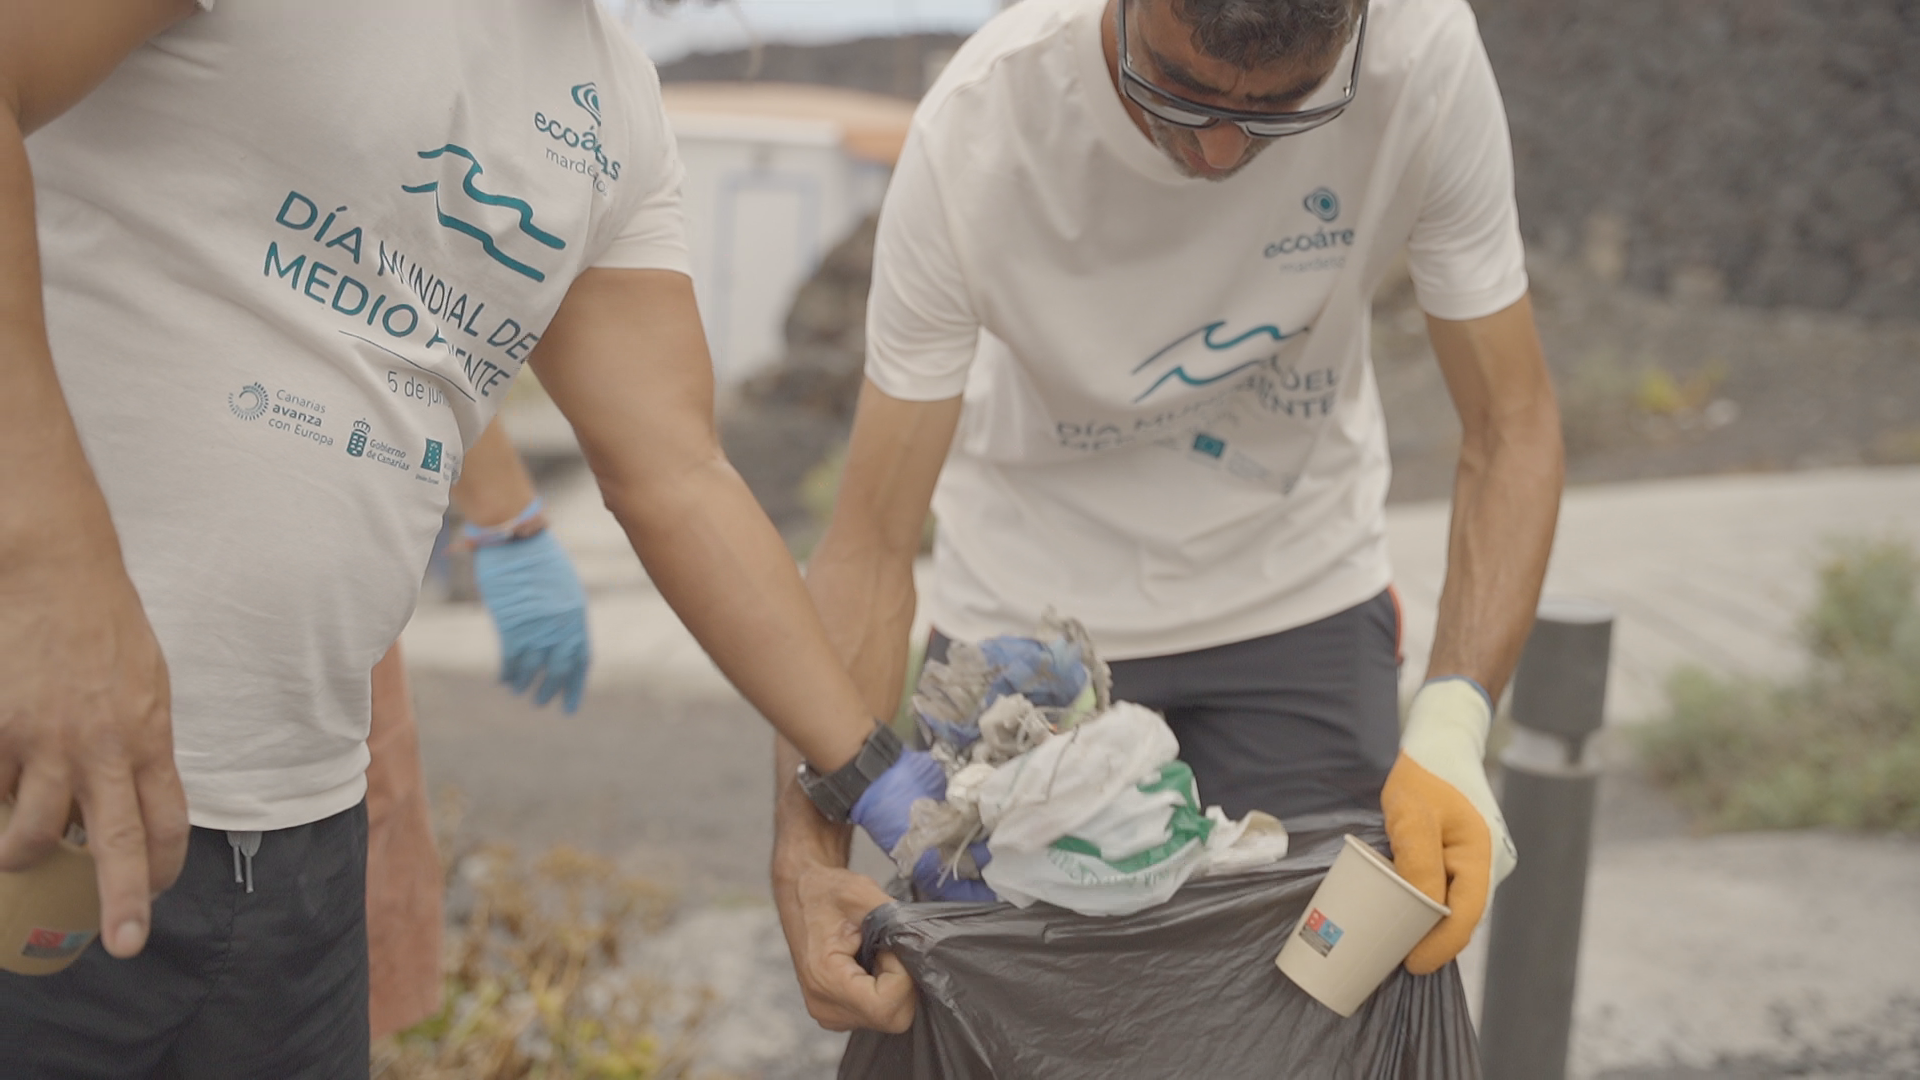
1549,778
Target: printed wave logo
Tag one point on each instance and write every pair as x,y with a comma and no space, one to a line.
249,402
470,188
587,96
1211,337
1323,204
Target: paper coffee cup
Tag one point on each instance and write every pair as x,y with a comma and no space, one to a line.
1360,925
49,912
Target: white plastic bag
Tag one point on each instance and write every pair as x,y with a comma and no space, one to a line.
1050,791
1135,853
1105,821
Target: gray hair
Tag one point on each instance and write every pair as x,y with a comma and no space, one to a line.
1254,33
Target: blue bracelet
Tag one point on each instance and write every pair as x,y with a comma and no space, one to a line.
494,535
1470,681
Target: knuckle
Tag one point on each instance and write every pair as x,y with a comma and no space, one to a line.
826,1016
119,837
168,832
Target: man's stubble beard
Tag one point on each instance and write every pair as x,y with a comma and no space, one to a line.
1174,141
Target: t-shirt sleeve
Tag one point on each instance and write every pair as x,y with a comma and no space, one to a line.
1465,252
921,325
653,235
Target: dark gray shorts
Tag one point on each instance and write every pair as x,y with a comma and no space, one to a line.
1292,723
231,985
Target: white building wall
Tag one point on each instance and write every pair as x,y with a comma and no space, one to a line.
765,200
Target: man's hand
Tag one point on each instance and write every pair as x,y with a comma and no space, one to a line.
86,717
821,909
1449,838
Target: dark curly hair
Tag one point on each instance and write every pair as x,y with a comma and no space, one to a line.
1254,33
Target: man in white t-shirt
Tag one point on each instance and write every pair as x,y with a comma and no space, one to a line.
1118,338
290,257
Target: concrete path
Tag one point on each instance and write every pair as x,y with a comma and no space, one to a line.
1710,570
1745,956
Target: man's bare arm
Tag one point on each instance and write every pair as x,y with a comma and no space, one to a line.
626,360
1506,497
84,701
861,578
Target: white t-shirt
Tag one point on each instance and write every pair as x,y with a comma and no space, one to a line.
294,254
1171,429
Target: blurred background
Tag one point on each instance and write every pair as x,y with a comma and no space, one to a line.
1721,200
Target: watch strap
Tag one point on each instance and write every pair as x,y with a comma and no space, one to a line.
835,793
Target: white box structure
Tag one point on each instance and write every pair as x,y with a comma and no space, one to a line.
776,175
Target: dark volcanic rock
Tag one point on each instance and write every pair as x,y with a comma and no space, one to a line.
799,411
1769,146
1764,151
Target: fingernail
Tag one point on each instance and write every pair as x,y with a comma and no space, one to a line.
132,936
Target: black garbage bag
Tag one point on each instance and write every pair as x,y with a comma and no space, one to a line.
1185,989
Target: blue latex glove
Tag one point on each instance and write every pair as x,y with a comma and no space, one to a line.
540,609
886,811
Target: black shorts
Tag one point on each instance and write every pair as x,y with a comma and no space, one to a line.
232,984
1299,722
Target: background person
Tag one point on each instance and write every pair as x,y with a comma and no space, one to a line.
540,611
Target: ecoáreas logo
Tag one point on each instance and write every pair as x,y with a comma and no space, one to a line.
585,138
1324,205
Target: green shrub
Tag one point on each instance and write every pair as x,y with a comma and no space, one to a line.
1840,747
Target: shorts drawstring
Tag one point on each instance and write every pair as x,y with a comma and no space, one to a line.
245,846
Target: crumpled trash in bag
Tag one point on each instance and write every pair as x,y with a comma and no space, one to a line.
1187,989
1057,672
1102,819
1080,800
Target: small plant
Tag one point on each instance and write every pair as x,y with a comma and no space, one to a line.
535,986
1841,747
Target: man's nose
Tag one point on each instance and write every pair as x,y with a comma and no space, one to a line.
1222,145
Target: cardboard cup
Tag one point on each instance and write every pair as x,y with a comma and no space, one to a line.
1360,925
49,912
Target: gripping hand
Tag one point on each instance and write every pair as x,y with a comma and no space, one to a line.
1449,839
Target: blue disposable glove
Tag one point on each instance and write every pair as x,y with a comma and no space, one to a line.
885,810
541,612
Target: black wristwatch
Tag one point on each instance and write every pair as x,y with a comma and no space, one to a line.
835,793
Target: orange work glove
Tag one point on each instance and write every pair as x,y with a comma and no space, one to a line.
1449,840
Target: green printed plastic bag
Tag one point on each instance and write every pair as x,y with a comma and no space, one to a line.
1132,854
